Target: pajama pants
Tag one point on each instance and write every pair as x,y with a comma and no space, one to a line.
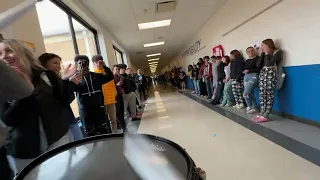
267,85
237,90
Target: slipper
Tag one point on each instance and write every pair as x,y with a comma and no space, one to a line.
262,120
256,118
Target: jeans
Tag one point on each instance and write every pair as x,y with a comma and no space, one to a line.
75,132
250,83
209,86
196,86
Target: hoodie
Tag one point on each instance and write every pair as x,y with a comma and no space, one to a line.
90,97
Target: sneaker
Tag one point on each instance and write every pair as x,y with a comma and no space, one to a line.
255,119
193,92
228,105
212,97
208,97
223,104
241,106
236,106
248,108
252,111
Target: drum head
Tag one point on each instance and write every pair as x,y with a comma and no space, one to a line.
99,157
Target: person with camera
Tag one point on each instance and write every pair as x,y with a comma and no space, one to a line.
90,96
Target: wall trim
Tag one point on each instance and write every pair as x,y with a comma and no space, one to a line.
296,118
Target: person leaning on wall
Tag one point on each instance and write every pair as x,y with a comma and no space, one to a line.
271,77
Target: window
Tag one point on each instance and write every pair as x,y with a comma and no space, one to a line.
118,54
66,34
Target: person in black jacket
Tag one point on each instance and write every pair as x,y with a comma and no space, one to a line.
221,75
129,97
141,83
35,123
269,60
8,92
236,75
53,63
90,97
195,76
251,72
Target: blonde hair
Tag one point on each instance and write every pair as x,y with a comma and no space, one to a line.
27,57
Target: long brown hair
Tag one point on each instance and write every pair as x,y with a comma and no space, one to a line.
270,44
27,57
236,54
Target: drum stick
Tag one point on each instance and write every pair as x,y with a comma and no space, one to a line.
146,161
10,15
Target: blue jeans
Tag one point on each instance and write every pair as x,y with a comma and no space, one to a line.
196,86
75,132
209,86
250,83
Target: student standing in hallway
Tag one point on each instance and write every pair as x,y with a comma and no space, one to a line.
206,74
227,92
119,98
269,60
53,63
129,97
141,84
236,75
109,93
215,64
220,84
195,76
251,76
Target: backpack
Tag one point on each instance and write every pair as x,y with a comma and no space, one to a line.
280,74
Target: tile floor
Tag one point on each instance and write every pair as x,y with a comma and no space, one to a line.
234,153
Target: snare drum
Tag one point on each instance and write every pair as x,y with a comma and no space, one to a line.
101,157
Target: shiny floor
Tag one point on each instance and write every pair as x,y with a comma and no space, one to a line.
225,149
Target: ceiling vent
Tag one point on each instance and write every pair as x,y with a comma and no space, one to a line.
166,6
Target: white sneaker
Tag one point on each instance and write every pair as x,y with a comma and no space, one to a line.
252,111
236,106
228,105
212,97
248,108
240,106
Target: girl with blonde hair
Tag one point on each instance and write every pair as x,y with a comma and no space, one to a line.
35,124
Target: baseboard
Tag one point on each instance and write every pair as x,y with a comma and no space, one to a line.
296,118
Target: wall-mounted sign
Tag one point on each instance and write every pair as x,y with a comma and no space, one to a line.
218,51
30,45
193,49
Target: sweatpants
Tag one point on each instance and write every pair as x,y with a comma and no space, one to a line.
237,90
227,94
111,112
120,111
267,85
129,101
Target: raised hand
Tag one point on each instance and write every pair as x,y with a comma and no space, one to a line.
69,72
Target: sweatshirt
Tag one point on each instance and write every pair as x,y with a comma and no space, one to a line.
251,65
237,67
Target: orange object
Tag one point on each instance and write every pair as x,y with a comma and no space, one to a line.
109,90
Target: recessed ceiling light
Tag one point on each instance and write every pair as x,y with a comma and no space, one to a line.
154,24
156,59
154,44
151,55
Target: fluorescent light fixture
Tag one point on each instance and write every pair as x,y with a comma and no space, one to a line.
153,65
154,24
151,55
153,62
156,59
154,44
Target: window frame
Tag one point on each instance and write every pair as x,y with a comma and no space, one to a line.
119,51
71,14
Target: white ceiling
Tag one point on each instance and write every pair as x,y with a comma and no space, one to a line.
121,17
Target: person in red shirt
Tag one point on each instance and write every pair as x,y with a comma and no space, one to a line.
206,75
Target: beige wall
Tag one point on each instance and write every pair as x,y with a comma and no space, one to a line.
294,24
26,28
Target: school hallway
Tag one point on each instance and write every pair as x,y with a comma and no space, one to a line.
225,144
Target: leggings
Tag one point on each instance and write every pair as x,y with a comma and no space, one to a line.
237,90
267,85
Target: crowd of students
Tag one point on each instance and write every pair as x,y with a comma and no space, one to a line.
231,80
108,99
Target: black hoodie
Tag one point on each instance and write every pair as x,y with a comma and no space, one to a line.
237,68
90,97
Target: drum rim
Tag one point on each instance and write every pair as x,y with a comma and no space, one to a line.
45,156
